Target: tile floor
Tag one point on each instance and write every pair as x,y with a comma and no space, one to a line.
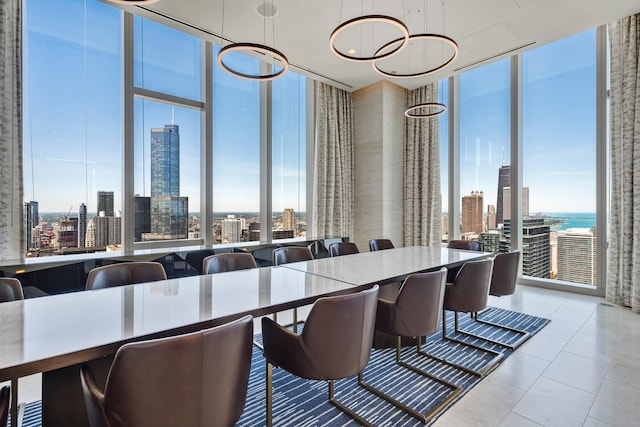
583,369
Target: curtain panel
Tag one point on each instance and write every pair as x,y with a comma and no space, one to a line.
623,277
422,201
333,185
11,193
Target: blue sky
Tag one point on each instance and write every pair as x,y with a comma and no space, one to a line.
73,111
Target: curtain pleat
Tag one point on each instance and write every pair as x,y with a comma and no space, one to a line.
12,234
333,184
623,275
422,199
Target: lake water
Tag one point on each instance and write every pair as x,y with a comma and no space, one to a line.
563,221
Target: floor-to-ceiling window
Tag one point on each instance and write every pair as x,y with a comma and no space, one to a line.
484,155
124,113
559,160
72,118
443,124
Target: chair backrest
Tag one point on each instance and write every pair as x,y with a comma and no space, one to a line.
469,245
289,254
197,379
338,335
380,244
126,273
5,399
469,291
417,308
195,258
10,290
343,248
505,273
221,263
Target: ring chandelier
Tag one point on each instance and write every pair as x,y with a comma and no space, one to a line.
410,112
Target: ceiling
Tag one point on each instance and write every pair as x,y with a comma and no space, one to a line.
484,30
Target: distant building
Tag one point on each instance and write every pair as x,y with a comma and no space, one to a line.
169,211
507,202
142,206
491,217
536,248
577,256
82,225
288,219
67,233
232,229
31,221
491,240
472,213
504,180
105,202
282,234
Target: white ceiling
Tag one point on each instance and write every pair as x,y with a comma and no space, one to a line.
484,29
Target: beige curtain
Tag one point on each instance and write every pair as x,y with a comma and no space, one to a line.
11,196
623,278
422,199
333,172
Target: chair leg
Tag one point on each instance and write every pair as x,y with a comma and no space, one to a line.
423,417
497,356
344,408
269,394
524,335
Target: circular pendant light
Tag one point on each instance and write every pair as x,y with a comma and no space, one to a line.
258,48
426,36
412,113
381,19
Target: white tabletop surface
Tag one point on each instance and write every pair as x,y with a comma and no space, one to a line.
379,266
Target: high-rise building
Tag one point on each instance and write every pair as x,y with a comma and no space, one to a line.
491,240
507,202
114,236
169,211
105,202
504,180
67,233
536,248
288,219
31,221
491,217
82,225
232,229
577,256
472,213
142,224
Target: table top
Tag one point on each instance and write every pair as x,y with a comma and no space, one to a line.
386,265
47,333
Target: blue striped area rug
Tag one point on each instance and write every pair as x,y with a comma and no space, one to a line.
302,403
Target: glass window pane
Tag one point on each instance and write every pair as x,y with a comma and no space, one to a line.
559,160
166,60
289,156
72,125
443,123
236,152
484,155
167,171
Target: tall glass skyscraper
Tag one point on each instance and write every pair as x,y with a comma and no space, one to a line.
504,180
169,211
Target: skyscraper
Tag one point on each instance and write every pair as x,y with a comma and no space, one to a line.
142,206
82,225
31,221
105,203
577,256
169,211
232,229
504,180
507,203
288,219
491,216
472,213
536,248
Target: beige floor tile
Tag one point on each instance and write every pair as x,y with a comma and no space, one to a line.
552,403
577,371
520,370
625,370
592,422
617,404
515,420
544,346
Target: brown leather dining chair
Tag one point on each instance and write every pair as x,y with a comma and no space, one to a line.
343,248
10,290
380,244
5,400
195,258
126,273
414,313
335,343
232,261
469,293
469,245
192,380
503,282
286,255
